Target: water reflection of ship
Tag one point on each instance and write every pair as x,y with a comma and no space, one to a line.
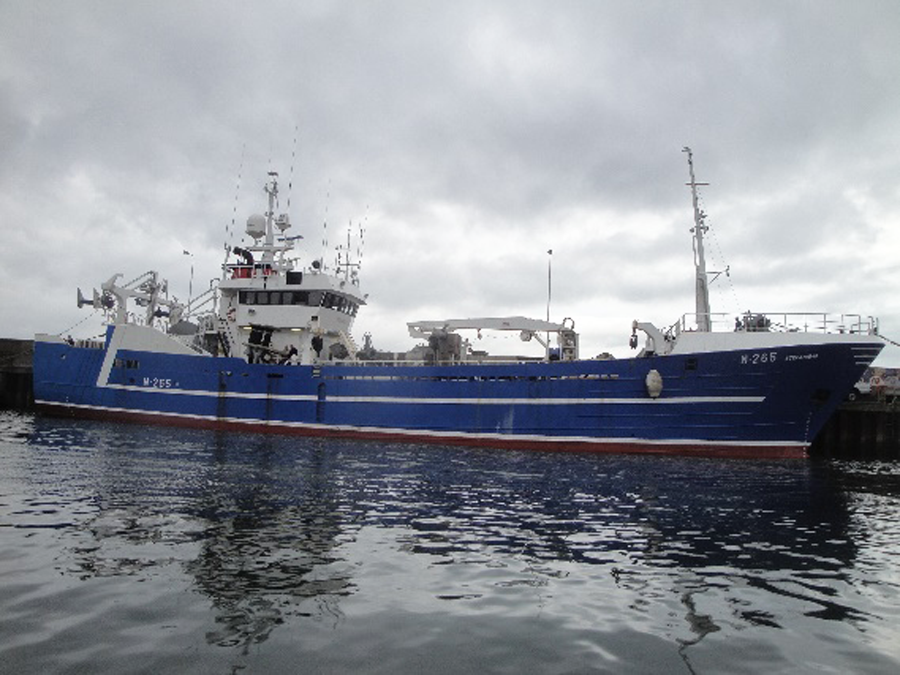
269,548
264,523
265,520
690,514
666,531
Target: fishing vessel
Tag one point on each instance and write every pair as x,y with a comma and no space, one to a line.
269,348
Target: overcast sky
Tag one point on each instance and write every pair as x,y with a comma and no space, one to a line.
468,138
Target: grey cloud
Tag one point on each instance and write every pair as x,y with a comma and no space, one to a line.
509,117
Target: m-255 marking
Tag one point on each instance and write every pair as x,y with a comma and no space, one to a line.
158,382
758,357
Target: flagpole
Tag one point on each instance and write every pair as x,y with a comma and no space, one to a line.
549,293
549,280
191,281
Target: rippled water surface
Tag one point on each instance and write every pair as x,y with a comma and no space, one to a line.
132,549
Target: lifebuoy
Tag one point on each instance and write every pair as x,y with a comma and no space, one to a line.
230,314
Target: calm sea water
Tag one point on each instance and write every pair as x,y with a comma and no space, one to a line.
147,550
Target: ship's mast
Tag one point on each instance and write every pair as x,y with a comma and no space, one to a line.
272,191
704,322
262,229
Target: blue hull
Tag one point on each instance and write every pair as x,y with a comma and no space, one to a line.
724,402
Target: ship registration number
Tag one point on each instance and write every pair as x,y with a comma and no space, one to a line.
158,382
758,357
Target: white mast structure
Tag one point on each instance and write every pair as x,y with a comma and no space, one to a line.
263,227
704,322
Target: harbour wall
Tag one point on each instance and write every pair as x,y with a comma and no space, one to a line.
16,389
863,429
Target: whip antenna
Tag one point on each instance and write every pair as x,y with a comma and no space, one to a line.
325,222
229,229
291,174
361,241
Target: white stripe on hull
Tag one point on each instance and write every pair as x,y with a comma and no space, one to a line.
443,401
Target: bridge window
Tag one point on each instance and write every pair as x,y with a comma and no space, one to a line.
326,299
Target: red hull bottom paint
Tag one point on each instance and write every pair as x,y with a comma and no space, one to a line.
636,447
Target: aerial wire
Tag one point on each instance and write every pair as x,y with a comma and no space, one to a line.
291,174
230,229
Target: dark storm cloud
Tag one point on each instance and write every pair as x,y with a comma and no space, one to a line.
469,137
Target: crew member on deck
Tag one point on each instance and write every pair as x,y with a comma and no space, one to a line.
289,355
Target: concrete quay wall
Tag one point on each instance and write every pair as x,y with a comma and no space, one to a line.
16,389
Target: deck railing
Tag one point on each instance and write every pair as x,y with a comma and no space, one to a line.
470,361
785,322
